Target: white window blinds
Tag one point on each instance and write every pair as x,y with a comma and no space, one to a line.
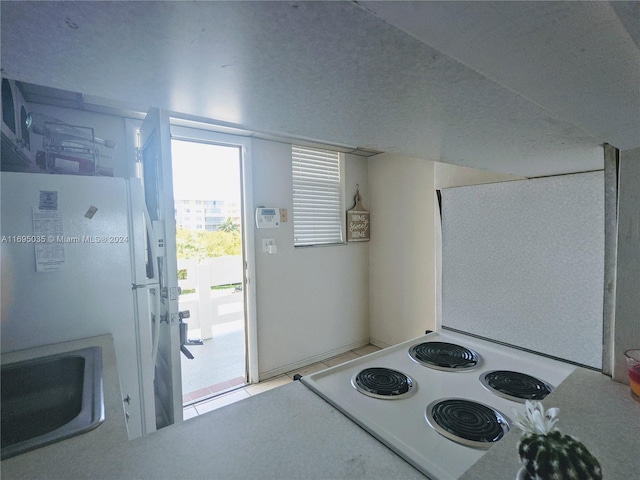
317,196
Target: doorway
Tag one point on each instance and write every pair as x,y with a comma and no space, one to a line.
208,209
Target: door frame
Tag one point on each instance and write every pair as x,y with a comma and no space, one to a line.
205,133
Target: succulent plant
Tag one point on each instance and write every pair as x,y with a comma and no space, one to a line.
547,454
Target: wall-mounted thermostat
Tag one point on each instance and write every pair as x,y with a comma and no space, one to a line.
267,217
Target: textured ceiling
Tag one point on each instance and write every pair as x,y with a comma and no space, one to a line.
516,87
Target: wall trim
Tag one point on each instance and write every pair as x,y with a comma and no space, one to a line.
266,375
378,343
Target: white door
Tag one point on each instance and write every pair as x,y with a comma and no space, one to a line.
155,146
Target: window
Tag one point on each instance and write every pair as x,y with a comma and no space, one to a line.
317,196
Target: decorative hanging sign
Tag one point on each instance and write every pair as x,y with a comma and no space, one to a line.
358,221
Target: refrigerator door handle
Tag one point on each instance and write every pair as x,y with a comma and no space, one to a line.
150,278
155,254
152,241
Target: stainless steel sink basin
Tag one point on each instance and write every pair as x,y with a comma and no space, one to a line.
49,399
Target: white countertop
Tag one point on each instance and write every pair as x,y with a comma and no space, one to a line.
597,411
291,433
285,433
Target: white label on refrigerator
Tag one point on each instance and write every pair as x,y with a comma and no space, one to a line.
47,224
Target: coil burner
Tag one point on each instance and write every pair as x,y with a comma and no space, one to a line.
384,383
515,386
467,422
445,356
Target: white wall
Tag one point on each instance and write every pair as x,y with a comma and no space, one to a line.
447,176
405,242
312,302
523,263
402,260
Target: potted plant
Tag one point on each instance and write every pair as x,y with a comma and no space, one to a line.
546,453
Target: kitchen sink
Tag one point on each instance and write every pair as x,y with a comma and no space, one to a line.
49,399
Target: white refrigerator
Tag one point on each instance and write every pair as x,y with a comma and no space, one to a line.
74,258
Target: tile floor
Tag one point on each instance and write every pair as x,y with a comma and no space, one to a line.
205,406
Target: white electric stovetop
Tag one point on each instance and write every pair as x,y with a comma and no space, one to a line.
401,424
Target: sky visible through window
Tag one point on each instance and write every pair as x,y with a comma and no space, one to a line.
205,172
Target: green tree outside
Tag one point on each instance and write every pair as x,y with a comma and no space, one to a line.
228,226
202,244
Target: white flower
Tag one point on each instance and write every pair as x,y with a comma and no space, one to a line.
536,420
